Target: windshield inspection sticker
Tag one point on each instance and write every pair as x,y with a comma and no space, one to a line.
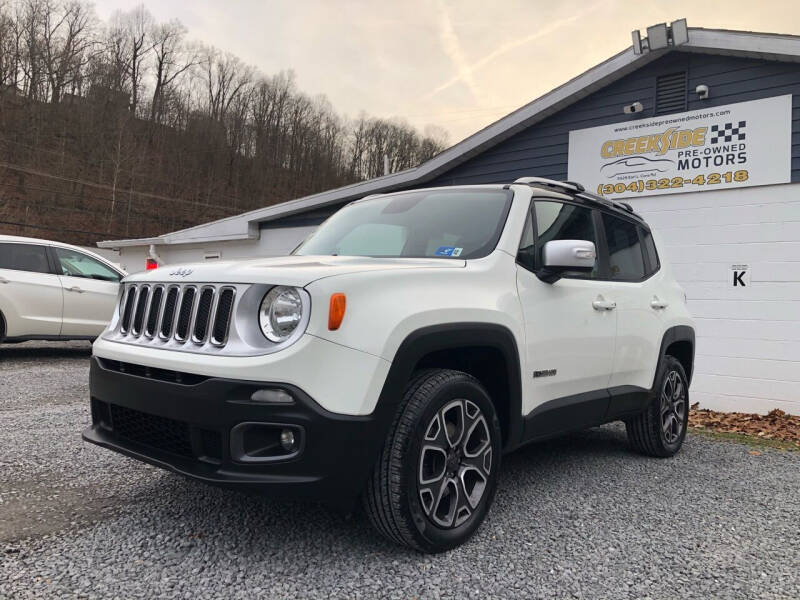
448,251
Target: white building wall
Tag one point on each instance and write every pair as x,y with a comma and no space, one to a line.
272,242
748,339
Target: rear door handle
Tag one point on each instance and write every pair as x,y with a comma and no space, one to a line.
601,304
4,280
75,288
657,304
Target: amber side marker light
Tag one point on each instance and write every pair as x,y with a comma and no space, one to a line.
336,312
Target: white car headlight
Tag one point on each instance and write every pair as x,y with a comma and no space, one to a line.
280,313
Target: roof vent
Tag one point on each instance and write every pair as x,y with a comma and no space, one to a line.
671,93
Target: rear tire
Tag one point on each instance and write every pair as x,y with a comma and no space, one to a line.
660,430
437,473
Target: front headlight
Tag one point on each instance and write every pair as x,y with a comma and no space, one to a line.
280,313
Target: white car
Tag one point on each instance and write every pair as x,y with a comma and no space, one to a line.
406,346
54,291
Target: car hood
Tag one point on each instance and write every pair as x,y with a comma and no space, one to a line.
286,270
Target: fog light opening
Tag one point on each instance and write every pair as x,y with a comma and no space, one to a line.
288,441
263,442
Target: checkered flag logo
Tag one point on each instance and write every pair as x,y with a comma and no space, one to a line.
728,133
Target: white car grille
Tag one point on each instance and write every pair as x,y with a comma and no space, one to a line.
196,314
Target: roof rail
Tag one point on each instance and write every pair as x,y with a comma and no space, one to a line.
579,190
564,185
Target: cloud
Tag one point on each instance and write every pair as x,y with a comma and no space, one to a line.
466,71
452,48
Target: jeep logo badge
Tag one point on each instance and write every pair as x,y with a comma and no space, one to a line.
182,272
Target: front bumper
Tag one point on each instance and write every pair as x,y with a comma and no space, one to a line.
183,423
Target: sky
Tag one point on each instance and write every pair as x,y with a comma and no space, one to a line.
458,64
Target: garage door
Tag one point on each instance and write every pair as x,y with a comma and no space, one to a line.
737,255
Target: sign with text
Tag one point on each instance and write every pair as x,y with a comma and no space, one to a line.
730,146
739,275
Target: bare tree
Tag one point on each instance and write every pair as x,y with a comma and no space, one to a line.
133,28
172,59
94,116
65,44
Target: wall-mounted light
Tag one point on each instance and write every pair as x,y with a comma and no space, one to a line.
680,32
657,36
661,36
701,91
637,41
629,109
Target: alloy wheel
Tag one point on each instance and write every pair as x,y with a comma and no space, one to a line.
673,407
455,463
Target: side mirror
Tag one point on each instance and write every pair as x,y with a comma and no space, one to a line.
566,255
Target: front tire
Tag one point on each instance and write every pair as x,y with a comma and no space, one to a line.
437,473
660,430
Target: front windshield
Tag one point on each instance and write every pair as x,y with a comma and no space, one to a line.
457,223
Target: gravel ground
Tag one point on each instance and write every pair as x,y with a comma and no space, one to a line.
579,517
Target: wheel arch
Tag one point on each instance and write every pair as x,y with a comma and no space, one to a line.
679,341
486,351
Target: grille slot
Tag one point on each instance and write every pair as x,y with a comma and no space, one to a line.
185,314
168,320
203,315
151,430
127,313
152,372
155,309
161,313
222,320
141,305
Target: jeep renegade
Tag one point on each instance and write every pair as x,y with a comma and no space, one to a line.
404,348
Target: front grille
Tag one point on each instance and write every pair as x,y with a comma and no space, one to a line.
162,433
177,313
152,372
151,430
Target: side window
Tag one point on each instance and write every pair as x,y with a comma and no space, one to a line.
626,261
653,264
560,221
78,264
24,257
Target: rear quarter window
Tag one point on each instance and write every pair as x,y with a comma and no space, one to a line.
652,263
625,256
24,257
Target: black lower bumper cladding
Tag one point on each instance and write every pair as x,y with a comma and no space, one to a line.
185,425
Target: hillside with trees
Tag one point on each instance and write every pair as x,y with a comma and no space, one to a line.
129,129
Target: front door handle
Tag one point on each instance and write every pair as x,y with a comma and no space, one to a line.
602,304
4,280
657,304
75,288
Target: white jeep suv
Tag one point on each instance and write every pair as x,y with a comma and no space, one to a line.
406,346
